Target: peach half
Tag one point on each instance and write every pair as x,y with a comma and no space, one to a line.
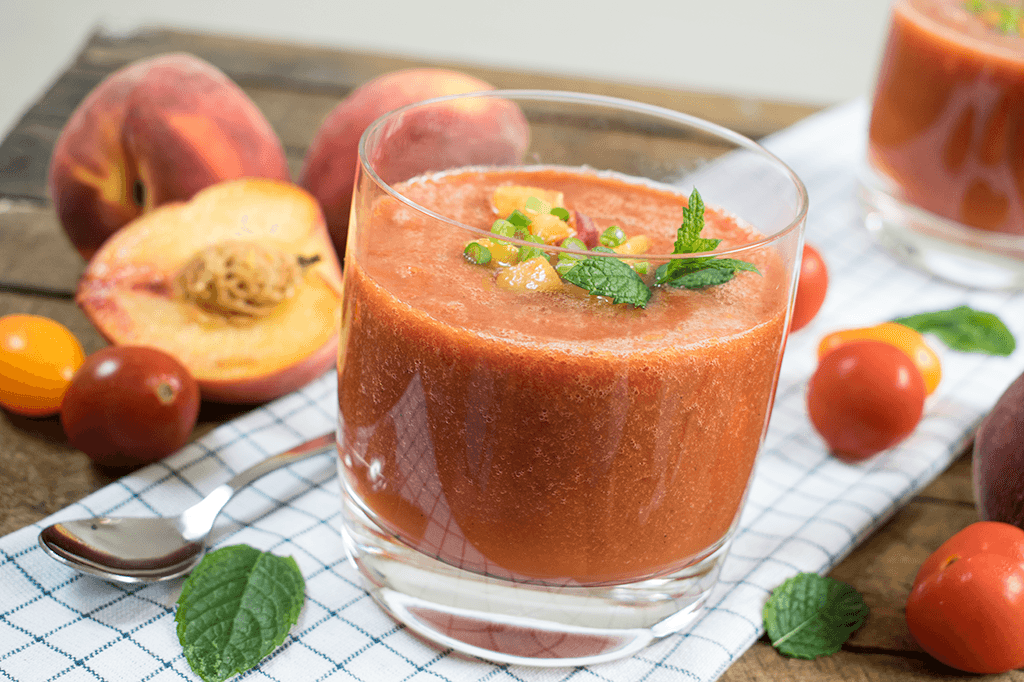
240,284
156,131
329,167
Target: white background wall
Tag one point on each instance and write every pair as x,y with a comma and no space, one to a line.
809,51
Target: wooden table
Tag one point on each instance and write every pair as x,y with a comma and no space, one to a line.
296,86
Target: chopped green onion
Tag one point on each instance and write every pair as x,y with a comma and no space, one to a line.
528,252
574,243
603,249
613,236
519,219
562,214
503,227
537,205
477,253
641,267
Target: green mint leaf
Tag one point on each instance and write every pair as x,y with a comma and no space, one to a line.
610,277
809,616
965,329
696,273
235,608
703,272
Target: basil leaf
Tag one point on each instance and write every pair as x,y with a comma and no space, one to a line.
610,277
235,608
965,329
809,615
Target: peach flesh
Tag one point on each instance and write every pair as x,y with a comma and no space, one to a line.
131,290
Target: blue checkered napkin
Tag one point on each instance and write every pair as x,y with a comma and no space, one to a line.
805,510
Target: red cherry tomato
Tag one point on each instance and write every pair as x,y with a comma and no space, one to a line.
908,340
865,397
129,405
967,605
810,289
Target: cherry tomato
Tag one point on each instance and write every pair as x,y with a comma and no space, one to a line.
865,397
967,605
129,405
38,357
810,288
908,340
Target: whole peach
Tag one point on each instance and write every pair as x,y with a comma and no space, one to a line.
156,131
330,164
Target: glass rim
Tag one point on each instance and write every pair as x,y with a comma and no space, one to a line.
650,110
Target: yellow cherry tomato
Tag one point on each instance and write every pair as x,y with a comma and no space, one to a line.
38,357
906,339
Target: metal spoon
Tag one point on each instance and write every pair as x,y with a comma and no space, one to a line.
133,550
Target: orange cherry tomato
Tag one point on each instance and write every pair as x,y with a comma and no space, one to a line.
38,357
810,289
967,605
908,340
865,396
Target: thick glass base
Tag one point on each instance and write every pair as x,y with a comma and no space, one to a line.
523,623
959,254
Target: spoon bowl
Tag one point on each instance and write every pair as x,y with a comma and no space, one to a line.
141,549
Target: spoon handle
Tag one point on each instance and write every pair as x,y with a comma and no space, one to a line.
197,521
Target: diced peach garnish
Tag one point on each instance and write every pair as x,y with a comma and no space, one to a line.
550,228
535,274
508,198
502,252
634,246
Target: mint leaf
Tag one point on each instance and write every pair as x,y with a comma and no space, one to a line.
703,272
809,615
696,273
609,277
235,608
965,329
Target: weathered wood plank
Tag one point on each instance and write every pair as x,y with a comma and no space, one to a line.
883,568
333,71
34,251
761,663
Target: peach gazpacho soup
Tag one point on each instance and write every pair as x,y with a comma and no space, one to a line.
508,422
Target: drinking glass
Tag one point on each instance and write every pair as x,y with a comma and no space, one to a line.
943,184
541,475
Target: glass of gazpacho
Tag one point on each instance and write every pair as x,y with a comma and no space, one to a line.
943,186
561,333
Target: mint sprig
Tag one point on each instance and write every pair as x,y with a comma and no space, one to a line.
809,615
609,277
235,608
697,273
964,329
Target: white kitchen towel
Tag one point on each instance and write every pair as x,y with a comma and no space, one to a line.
805,512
